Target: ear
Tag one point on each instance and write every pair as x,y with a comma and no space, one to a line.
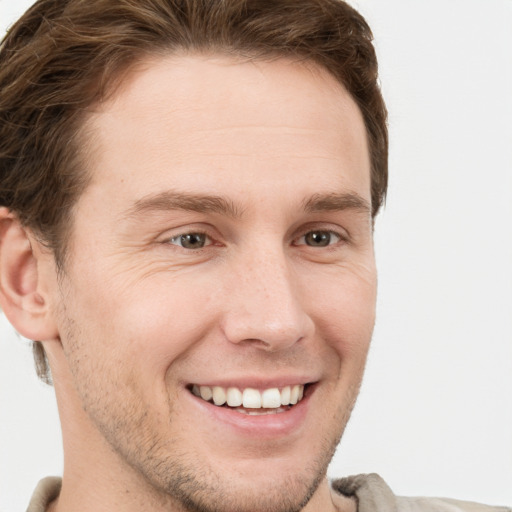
24,296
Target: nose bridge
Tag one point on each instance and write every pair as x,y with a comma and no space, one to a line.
265,306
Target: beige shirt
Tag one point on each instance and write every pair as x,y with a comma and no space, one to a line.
370,491
373,495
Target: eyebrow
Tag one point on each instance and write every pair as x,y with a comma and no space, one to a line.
337,202
170,200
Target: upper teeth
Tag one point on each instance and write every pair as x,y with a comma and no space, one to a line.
250,398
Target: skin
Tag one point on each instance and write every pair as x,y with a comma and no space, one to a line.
135,319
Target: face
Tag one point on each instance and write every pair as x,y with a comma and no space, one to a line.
223,252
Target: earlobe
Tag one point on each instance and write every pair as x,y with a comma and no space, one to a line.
22,296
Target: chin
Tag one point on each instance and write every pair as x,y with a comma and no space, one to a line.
270,491
279,483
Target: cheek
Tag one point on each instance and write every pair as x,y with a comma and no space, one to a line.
149,323
345,315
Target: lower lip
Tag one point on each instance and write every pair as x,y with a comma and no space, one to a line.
260,426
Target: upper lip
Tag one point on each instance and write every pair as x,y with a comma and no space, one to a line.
256,382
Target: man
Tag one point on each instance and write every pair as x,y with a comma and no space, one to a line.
188,192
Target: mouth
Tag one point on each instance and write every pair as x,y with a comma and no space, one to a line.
251,401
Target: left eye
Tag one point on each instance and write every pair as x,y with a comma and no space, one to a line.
191,240
319,239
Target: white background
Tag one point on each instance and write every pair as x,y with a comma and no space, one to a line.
435,412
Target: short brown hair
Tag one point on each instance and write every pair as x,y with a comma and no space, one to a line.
63,56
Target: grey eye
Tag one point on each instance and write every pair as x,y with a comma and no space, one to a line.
190,240
320,238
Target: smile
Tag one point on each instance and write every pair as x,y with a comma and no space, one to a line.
249,400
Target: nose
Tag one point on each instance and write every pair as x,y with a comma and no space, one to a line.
264,308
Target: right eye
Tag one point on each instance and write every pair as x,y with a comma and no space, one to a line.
319,238
191,240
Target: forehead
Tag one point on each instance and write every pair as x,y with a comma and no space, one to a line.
181,115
